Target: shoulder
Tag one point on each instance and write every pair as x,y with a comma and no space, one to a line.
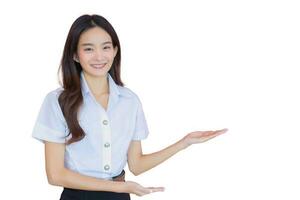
51,98
51,104
126,92
54,94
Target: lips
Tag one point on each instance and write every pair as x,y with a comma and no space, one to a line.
98,66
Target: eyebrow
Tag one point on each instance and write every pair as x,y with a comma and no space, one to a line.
91,44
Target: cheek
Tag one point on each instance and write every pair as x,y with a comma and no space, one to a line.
110,56
83,57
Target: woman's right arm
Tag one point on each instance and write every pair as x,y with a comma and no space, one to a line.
58,175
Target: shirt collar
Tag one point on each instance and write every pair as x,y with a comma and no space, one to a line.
113,87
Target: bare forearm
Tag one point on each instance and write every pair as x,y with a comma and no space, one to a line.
69,179
149,161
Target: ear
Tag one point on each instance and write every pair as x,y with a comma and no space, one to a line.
75,58
115,51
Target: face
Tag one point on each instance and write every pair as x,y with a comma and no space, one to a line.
95,52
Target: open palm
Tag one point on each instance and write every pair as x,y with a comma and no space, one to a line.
201,136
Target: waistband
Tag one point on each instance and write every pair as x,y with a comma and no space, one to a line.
120,177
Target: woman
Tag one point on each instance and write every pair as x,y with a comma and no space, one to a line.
93,125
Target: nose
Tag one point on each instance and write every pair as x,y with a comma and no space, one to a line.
99,54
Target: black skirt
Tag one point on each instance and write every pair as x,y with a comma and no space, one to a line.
74,194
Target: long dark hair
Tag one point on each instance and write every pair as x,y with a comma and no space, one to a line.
71,97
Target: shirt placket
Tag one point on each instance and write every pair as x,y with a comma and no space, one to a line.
106,144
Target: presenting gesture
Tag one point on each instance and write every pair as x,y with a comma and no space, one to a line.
90,163
139,162
201,136
139,190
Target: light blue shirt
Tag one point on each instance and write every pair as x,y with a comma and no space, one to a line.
102,153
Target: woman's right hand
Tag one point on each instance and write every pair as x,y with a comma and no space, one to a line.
137,189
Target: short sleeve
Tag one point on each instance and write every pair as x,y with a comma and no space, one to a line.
50,124
141,128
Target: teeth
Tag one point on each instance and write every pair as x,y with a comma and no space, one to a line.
98,65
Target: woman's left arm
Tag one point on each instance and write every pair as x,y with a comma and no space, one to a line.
139,163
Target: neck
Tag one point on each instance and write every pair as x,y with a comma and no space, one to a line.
97,85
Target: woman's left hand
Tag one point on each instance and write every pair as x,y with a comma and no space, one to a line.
200,136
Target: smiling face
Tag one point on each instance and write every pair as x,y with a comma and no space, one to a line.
95,52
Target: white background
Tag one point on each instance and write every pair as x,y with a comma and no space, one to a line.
196,65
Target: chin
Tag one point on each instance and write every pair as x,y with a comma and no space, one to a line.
97,73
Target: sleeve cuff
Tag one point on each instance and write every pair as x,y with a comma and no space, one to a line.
43,133
141,135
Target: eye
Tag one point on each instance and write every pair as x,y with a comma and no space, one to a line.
88,49
107,47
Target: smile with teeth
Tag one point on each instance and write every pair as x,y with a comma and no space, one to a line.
98,66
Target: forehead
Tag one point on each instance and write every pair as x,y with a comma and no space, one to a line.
94,35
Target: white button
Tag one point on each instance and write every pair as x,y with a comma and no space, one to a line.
107,144
105,122
106,167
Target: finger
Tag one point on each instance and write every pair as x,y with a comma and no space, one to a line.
156,189
210,137
222,131
201,133
142,192
218,132
208,134
145,190
198,134
203,139
213,135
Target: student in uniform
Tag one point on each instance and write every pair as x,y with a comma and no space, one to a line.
93,125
